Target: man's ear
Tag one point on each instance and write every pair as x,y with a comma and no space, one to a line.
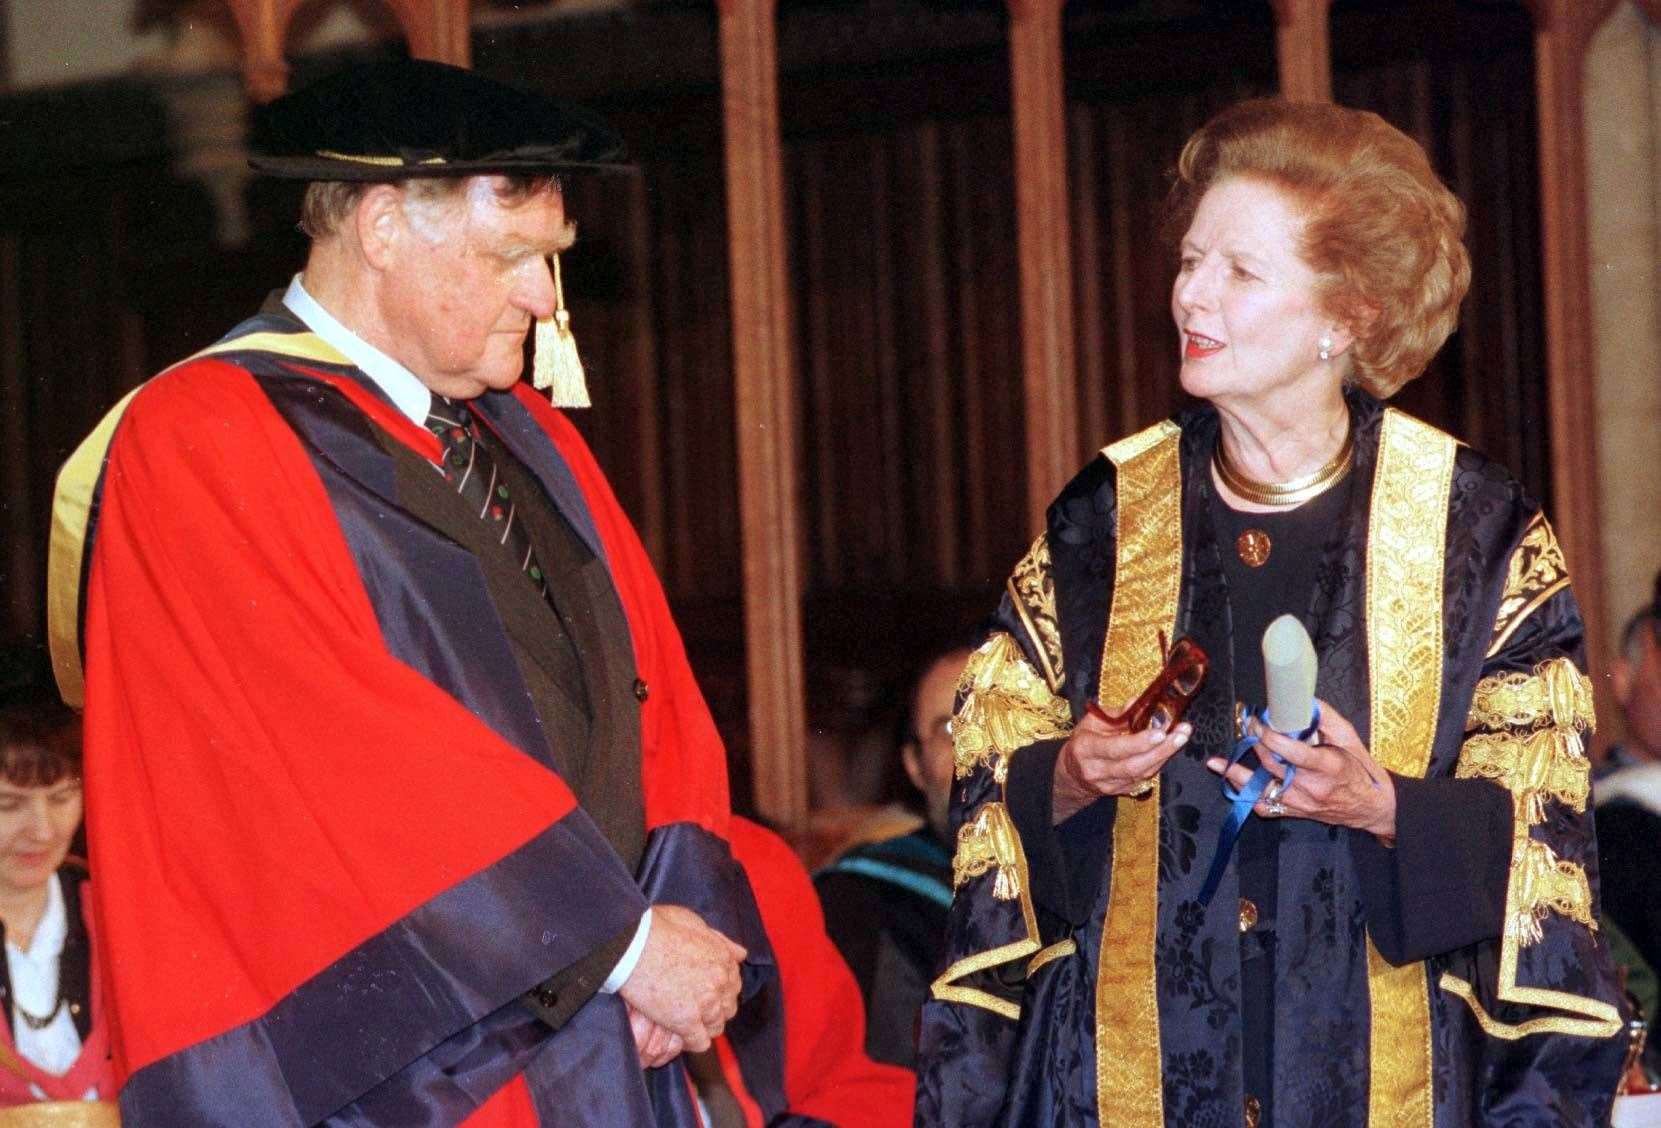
912,757
1620,680
380,224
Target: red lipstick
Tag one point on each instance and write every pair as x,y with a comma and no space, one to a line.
1198,348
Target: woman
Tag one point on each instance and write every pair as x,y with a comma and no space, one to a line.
53,1048
1403,930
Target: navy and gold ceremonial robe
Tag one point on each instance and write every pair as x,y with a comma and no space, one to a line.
366,826
1446,630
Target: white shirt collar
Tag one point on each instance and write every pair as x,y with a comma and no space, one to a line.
401,386
34,976
53,929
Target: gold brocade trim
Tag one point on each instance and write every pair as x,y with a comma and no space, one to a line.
947,988
1032,594
72,508
66,549
1537,755
1541,883
1545,764
1131,447
1399,1044
989,841
1059,950
1602,1021
62,1114
1406,542
1004,706
296,346
379,162
974,996
1147,581
1536,573
1556,693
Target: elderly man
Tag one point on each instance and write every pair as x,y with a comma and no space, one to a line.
391,739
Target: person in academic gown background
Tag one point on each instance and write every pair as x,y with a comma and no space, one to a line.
885,901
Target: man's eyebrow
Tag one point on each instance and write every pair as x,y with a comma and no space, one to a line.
544,247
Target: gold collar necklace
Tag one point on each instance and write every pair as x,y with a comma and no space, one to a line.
1283,494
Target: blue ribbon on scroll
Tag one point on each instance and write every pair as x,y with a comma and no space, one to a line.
1246,797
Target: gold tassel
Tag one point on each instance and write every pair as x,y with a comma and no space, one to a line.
556,368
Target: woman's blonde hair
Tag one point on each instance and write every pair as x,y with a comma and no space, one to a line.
1382,232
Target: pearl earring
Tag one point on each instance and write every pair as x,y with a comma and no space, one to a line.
1325,344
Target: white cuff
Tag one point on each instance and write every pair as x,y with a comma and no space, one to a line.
625,966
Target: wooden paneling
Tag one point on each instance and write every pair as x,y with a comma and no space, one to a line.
1303,45
434,29
647,283
1563,31
764,380
1136,94
1048,373
1127,342
5,45
1474,115
94,294
907,299
17,518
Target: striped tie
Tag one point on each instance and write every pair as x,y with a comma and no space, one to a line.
469,467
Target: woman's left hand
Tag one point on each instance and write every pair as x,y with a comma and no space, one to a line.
1337,780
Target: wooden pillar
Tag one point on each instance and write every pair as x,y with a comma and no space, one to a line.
435,29
764,401
1563,30
1303,46
1049,374
263,25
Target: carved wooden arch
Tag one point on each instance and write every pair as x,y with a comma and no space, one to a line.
435,29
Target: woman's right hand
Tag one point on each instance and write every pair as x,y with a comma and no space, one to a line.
1101,758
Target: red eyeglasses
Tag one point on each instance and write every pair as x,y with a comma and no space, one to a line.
1168,696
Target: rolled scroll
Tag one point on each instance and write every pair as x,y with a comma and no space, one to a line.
1289,674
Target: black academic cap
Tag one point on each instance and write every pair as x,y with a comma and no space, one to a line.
411,117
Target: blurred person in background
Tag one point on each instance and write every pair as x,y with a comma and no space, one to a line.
885,902
54,1046
1628,792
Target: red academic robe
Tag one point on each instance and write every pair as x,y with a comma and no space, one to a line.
827,1074
330,878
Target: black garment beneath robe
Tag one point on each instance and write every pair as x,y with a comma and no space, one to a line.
885,909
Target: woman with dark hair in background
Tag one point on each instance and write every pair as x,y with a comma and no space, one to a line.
1404,931
53,1047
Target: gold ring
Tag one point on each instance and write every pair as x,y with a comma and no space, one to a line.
1140,788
